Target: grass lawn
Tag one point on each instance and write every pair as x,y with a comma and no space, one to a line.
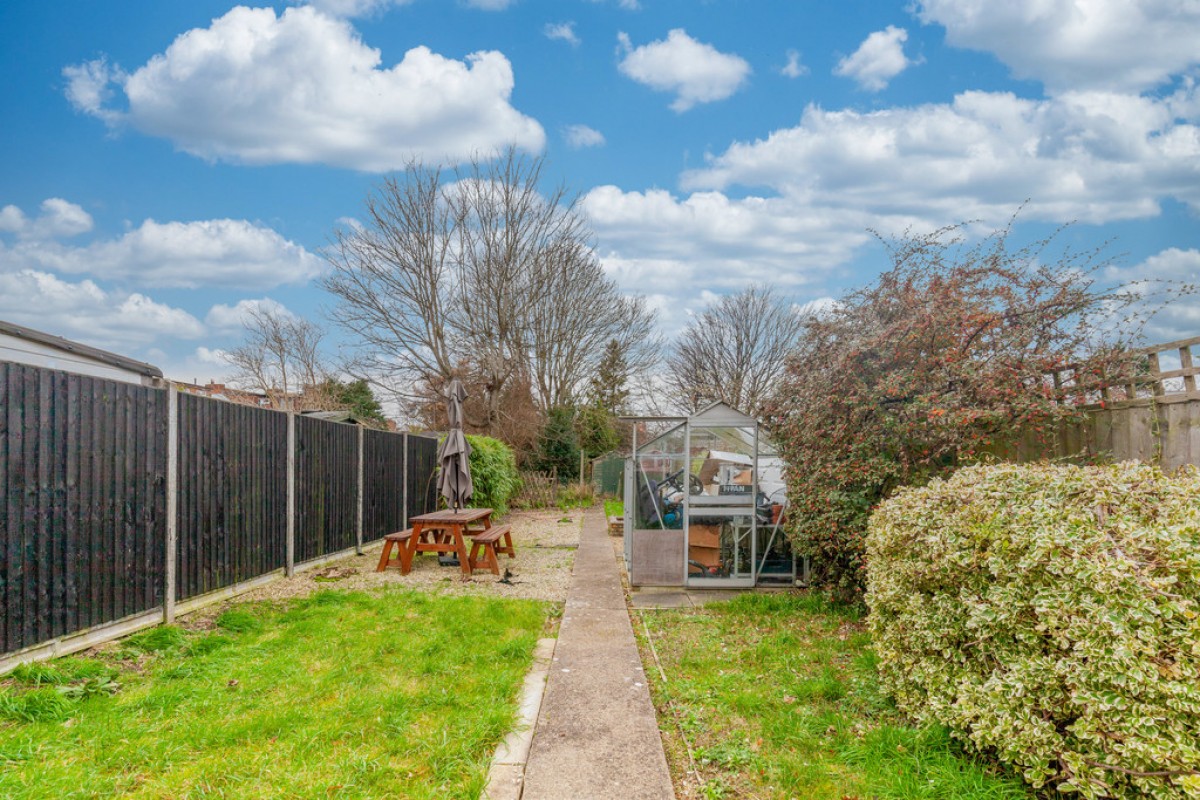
341,694
776,696
613,508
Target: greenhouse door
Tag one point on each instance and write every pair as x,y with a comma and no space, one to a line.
722,483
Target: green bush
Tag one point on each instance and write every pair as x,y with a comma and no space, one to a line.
1048,615
493,473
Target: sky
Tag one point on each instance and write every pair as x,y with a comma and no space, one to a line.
168,165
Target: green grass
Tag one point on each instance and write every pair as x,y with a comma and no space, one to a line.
777,696
614,508
341,695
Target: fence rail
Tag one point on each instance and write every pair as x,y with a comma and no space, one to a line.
88,468
1147,410
538,490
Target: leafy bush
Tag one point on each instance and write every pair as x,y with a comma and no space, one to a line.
1049,615
942,356
494,473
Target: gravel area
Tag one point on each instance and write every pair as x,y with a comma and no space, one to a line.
545,541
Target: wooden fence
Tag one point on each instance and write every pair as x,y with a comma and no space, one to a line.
117,501
538,490
1150,411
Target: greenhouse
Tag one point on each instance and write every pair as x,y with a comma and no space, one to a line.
704,499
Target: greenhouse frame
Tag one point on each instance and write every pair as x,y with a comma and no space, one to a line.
704,502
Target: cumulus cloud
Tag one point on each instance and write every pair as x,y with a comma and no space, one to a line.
211,253
654,238
1169,280
877,60
58,218
694,71
302,87
86,312
580,136
354,8
1118,45
226,318
564,31
793,68
1094,157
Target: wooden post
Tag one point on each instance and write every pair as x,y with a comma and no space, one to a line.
1185,361
290,568
169,565
358,543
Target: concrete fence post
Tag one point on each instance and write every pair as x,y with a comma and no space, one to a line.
170,556
358,545
290,569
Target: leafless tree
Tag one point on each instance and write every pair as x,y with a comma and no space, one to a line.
734,350
281,357
476,274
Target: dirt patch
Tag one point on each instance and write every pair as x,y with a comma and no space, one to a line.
545,541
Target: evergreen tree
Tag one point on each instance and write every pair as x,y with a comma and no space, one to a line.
608,388
558,444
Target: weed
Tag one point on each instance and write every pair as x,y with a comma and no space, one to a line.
157,640
239,620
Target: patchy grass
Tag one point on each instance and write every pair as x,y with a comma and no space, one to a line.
614,508
777,697
346,695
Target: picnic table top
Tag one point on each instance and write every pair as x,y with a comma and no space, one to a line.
463,515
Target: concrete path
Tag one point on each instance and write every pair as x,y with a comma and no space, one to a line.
596,735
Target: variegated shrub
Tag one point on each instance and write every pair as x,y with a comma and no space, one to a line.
1049,616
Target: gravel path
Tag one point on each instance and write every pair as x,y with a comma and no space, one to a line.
545,540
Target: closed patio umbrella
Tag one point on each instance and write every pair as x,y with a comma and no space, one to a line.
454,482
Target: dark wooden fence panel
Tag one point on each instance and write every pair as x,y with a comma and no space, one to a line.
232,513
82,502
383,483
326,487
422,466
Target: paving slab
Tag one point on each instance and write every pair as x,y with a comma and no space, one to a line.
597,733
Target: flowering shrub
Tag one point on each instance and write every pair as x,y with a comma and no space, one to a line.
941,357
1049,615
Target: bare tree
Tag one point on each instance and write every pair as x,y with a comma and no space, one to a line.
281,358
477,275
734,350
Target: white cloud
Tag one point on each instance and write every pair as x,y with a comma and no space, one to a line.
1169,275
694,71
303,88
58,219
354,8
221,252
490,5
85,312
564,31
225,318
580,136
1094,157
877,60
1124,45
793,68
89,88
708,239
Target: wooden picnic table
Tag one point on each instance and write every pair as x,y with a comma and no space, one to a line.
446,531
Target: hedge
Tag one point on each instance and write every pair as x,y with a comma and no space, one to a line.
494,475
1048,615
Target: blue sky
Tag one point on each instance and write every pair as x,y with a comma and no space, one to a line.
166,164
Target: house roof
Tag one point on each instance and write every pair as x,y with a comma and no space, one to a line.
75,348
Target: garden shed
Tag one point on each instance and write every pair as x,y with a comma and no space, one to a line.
704,498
